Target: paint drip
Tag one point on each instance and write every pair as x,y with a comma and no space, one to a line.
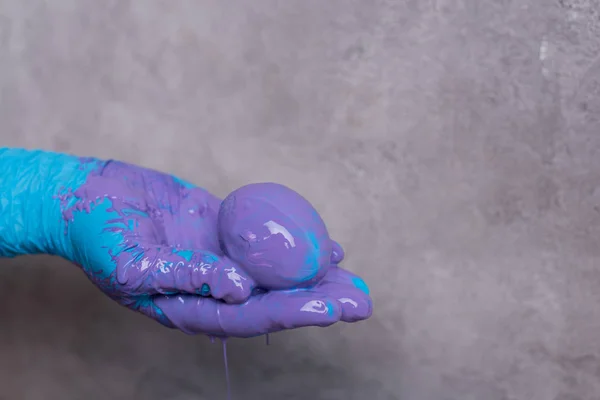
224,342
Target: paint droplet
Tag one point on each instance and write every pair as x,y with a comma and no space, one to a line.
224,342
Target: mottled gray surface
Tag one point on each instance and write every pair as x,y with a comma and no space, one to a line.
453,147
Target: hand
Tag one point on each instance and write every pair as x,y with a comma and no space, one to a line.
149,241
138,233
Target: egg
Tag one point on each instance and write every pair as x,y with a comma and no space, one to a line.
276,236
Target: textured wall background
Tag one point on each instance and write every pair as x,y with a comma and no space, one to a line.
453,147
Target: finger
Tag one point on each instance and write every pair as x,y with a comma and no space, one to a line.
342,276
356,306
350,290
261,314
337,253
166,270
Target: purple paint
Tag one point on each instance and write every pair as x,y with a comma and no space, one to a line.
258,262
276,236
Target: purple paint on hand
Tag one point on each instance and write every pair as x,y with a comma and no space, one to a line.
279,240
258,262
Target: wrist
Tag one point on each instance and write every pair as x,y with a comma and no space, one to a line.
33,185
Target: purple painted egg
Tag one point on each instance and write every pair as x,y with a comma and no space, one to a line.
276,235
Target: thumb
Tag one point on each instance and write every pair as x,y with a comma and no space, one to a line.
149,269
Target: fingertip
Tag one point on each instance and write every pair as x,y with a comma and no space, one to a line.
355,307
337,252
231,283
229,293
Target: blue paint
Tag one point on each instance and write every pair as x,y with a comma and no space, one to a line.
311,262
30,183
184,183
360,284
330,309
96,257
41,201
312,238
130,211
210,258
205,290
144,302
186,254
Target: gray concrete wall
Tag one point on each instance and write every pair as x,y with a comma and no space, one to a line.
453,147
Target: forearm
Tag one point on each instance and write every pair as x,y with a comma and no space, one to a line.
33,185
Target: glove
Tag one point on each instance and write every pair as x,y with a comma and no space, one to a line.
149,241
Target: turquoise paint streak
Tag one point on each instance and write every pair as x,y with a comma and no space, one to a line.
32,184
361,285
186,254
184,183
31,221
97,257
312,259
